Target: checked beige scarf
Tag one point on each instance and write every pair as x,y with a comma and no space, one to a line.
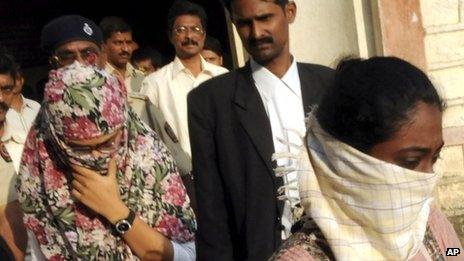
367,209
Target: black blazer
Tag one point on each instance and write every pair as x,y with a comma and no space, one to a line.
236,188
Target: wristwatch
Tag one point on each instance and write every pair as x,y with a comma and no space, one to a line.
124,225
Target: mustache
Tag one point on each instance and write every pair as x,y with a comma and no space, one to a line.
255,41
3,106
189,41
124,53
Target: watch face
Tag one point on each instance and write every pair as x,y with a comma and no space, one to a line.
123,226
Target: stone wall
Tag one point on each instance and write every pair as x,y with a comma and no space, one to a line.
443,21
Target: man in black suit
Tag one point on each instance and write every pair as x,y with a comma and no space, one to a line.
235,121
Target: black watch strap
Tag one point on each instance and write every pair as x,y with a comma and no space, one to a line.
124,225
130,218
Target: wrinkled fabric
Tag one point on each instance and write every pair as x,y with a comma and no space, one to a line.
365,208
310,244
82,102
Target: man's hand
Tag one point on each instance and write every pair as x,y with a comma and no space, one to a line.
99,193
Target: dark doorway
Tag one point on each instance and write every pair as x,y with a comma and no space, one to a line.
22,20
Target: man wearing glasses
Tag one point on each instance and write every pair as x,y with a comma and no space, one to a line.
13,239
72,38
22,111
168,87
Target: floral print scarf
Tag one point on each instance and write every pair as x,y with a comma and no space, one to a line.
82,102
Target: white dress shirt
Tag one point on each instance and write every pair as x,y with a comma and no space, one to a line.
7,182
284,106
167,89
17,127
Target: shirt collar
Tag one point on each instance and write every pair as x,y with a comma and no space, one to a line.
130,70
26,103
207,67
178,66
110,68
292,78
265,79
10,134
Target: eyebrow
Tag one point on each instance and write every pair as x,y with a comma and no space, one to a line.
67,51
255,17
89,48
421,149
7,86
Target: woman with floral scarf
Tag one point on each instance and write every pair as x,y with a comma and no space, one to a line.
365,176
95,182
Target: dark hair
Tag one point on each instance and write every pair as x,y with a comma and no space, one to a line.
228,4
184,7
213,45
8,65
372,99
113,24
147,53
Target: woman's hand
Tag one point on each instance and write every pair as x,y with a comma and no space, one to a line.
99,193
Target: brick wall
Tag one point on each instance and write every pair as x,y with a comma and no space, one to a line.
443,21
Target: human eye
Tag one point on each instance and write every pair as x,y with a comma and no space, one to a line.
242,22
82,149
197,29
88,52
181,29
67,56
264,18
7,88
107,146
110,145
410,162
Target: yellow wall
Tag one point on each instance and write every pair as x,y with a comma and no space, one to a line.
444,47
323,31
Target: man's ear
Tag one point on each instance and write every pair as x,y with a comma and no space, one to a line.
290,11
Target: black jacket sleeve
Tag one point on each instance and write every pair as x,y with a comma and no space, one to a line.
213,238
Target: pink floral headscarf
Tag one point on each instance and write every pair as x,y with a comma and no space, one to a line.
83,102
75,95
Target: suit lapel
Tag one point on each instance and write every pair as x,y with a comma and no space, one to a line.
307,78
252,115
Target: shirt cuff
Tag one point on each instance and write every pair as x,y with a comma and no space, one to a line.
184,251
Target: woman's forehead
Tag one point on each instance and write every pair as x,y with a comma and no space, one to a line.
424,130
